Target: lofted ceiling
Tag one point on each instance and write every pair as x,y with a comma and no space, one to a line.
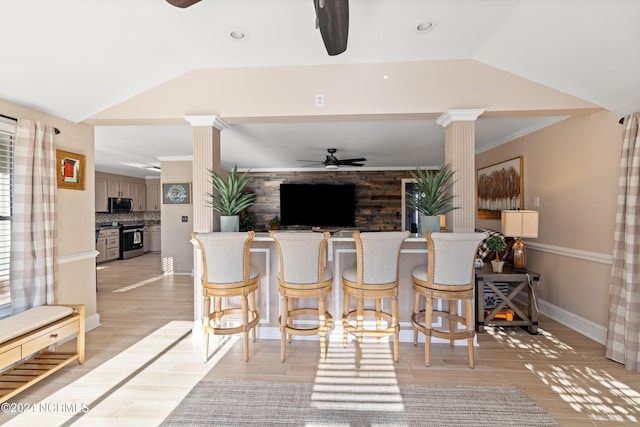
76,59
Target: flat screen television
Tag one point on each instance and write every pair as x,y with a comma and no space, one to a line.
318,205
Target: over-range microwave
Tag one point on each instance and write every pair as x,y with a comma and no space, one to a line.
120,205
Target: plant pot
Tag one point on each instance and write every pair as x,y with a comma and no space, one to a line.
429,224
230,223
274,227
497,266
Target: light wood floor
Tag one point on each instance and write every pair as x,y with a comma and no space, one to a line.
564,372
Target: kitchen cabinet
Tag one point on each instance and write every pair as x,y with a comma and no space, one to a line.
138,197
108,244
101,195
156,242
101,247
113,244
119,189
142,197
153,196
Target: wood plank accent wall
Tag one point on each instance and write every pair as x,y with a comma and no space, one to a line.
378,195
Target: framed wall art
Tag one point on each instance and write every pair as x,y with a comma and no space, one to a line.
500,187
70,170
176,194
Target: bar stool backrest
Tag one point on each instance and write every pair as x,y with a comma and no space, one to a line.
378,256
225,256
451,257
302,256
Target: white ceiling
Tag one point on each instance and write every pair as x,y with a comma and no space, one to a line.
76,58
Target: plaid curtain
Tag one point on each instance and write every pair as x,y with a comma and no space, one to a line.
34,245
623,336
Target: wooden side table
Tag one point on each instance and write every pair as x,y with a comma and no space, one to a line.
518,282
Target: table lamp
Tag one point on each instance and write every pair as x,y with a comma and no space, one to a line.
520,224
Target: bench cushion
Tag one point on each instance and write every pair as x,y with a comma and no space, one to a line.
30,320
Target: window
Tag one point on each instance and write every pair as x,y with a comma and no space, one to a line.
7,135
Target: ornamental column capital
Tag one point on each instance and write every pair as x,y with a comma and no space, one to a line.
463,115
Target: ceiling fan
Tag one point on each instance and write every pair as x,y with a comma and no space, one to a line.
331,162
332,19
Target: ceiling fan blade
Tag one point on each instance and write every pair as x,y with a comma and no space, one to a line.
362,159
182,3
333,22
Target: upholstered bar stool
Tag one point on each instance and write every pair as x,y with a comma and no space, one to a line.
226,273
303,275
448,276
375,277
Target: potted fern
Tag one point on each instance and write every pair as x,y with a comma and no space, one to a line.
229,197
496,244
431,198
274,223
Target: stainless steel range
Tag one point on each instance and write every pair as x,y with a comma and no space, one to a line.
131,241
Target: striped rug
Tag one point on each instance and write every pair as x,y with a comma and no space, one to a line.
234,403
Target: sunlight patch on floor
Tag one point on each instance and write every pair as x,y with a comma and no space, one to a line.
605,399
340,385
141,283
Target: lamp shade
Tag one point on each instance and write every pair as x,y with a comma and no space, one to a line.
520,223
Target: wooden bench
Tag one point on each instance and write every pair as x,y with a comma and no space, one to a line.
24,339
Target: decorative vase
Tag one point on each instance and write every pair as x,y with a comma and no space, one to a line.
497,266
230,223
429,224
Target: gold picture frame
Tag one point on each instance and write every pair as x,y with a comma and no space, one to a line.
70,170
500,187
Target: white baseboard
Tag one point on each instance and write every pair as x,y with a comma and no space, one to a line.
579,324
92,322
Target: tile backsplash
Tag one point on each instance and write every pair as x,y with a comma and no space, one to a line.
120,218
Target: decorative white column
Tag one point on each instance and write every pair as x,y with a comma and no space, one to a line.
460,145
206,155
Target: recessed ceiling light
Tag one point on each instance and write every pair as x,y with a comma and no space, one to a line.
424,27
237,34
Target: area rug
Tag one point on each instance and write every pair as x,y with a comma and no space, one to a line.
238,403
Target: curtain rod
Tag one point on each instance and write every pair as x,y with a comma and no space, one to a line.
56,130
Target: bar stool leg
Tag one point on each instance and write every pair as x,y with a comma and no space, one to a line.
345,319
283,330
359,326
470,331
322,326
452,320
289,322
245,324
428,320
394,321
206,309
416,311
